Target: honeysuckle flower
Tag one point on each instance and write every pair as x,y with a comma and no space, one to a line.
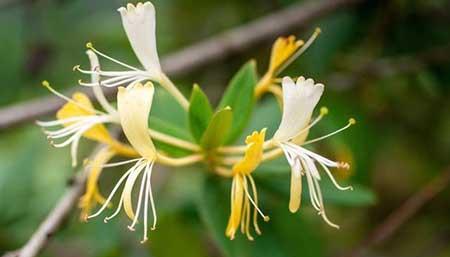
242,197
284,51
134,105
79,118
299,101
140,26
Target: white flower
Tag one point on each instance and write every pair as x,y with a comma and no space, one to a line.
139,24
134,105
299,101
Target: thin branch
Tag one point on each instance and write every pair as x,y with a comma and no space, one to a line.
198,55
401,215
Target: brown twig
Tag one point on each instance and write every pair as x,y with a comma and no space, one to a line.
402,214
200,54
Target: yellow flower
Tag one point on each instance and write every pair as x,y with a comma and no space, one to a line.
284,51
240,195
78,119
81,106
92,195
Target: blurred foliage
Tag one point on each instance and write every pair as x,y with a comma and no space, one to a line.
384,62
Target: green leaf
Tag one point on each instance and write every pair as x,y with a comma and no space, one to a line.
240,97
199,113
218,129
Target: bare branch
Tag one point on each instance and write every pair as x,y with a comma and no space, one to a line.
200,54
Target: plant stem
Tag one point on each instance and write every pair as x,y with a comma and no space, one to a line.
174,141
173,90
169,161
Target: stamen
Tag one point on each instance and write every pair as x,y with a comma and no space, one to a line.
59,122
312,190
117,163
322,211
334,180
119,207
301,50
350,123
47,85
146,206
138,208
255,214
90,46
149,191
266,218
111,195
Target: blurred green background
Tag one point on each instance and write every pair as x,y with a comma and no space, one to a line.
386,63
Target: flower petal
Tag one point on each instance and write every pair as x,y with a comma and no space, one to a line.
97,132
134,104
299,101
253,154
139,24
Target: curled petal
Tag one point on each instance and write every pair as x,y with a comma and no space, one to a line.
299,100
134,104
139,24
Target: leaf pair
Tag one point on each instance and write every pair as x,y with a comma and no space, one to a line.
212,129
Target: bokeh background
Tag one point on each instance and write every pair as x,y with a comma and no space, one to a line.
386,63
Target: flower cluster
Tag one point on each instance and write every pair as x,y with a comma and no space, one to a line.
78,118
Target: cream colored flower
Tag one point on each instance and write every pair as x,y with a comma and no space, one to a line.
134,105
299,101
140,26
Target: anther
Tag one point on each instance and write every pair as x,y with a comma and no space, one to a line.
266,218
45,83
76,67
323,111
343,165
89,45
352,121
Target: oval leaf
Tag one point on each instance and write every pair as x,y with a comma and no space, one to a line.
199,113
218,129
240,97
